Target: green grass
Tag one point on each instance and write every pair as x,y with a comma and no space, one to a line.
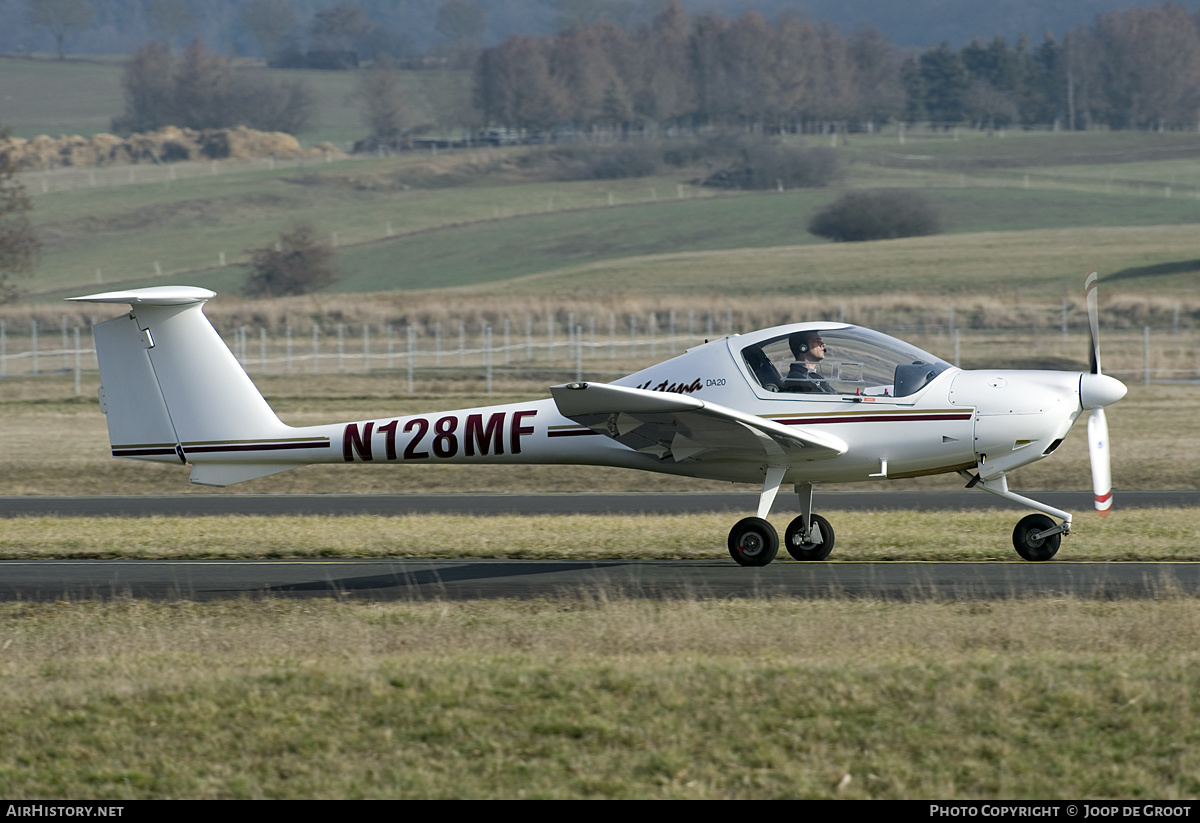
601,697
452,237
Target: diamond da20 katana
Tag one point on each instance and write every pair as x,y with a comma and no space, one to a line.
792,405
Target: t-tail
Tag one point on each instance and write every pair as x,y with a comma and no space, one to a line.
173,391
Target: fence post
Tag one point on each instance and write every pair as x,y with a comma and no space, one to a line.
341,347
66,364
3,350
1146,355
78,364
579,353
412,352
366,349
34,350
487,354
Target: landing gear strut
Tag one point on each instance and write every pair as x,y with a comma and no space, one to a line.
1037,536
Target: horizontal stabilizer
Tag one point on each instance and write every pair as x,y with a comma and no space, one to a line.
155,296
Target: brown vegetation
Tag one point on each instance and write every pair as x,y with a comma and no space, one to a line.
165,145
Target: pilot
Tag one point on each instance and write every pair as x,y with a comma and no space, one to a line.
809,349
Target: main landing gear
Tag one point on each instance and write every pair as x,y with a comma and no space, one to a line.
754,542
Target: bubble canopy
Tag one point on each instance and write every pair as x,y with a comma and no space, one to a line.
852,360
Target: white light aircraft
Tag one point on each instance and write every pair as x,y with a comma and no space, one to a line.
797,404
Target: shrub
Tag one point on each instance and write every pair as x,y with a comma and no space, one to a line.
597,161
764,164
297,264
876,215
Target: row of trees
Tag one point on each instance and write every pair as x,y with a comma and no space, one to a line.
203,90
1135,68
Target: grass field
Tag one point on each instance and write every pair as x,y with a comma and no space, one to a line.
82,95
477,218
601,697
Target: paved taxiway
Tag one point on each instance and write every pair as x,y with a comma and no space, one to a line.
414,579
421,580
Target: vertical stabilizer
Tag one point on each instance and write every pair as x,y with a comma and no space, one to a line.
171,388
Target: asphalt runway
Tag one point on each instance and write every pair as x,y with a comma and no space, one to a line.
422,580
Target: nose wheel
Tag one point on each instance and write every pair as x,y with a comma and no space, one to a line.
1036,538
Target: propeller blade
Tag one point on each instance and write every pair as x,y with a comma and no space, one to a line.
1089,296
1101,466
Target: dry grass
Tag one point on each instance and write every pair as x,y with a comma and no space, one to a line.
1141,534
978,303
601,699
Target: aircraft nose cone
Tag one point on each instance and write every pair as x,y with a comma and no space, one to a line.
1099,390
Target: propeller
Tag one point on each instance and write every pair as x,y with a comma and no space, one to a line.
1097,390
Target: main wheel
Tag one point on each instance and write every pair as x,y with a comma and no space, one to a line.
1035,550
753,542
820,538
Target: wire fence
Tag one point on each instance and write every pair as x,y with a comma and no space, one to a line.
592,347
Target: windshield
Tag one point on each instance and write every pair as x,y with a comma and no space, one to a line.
849,360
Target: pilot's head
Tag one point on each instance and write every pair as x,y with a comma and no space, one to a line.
807,346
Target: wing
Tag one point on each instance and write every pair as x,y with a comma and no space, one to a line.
681,428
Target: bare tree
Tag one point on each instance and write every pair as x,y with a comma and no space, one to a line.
61,17
149,91
296,264
202,90
386,109
19,245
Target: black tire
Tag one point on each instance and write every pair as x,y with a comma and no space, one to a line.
818,550
753,542
1035,551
